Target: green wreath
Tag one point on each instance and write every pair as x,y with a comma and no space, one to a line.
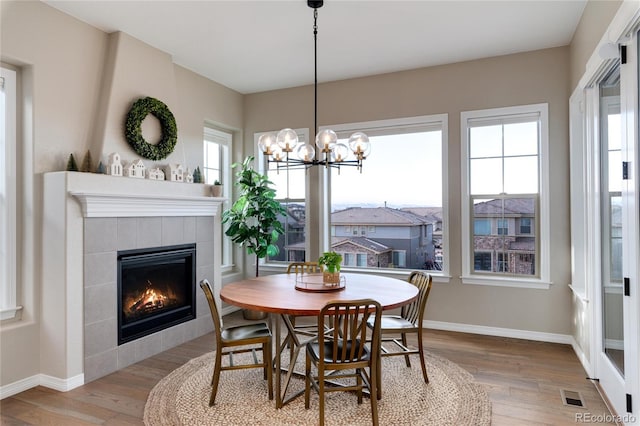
133,131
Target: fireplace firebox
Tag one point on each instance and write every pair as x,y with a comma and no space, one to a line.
156,289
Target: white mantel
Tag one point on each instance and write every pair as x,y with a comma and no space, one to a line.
69,198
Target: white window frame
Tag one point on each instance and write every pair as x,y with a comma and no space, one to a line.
224,138
544,244
417,124
8,187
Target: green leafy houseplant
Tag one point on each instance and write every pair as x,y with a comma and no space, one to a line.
253,218
331,260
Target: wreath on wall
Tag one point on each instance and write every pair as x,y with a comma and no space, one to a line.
133,130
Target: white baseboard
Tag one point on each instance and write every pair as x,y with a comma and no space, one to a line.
62,385
582,357
501,332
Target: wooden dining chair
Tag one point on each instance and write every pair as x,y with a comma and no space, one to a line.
257,335
344,353
394,328
304,268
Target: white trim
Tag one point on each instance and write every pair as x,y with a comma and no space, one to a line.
62,385
584,359
8,214
544,261
143,205
513,333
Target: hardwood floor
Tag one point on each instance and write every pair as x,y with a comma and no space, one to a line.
523,379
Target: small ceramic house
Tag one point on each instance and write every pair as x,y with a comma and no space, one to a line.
135,169
155,174
114,165
174,173
188,176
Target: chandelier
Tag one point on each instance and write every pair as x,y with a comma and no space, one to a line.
285,150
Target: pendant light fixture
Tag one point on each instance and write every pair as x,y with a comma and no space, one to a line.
285,151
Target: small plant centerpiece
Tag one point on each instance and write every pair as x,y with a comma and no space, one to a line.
331,260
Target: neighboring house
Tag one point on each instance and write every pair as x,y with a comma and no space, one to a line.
363,252
291,245
135,169
504,237
408,235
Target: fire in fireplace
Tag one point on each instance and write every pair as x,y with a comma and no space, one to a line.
156,289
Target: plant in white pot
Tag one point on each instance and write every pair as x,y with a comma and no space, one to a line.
253,219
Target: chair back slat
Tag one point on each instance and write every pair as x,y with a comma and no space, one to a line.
414,311
349,334
304,268
208,292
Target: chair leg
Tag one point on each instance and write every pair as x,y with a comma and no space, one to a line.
404,342
374,389
266,357
307,382
321,394
421,352
216,377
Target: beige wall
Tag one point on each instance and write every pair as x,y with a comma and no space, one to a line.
528,78
80,82
594,21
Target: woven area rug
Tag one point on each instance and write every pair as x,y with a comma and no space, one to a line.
450,398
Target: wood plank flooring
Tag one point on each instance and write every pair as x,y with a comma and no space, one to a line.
523,379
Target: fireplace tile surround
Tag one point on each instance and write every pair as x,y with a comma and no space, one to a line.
88,218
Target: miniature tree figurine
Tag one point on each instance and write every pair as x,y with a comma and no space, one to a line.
197,175
71,164
87,163
100,168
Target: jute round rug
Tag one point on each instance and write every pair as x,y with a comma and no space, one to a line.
450,398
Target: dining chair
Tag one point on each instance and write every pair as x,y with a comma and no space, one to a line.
304,268
344,354
409,321
232,337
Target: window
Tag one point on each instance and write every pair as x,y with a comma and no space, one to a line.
503,226
505,182
8,224
482,227
390,207
362,259
290,186
217,144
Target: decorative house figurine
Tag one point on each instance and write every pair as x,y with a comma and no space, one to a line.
135,169
174,173
155,173
114,165
188,176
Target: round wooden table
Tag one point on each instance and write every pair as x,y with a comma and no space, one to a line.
277,294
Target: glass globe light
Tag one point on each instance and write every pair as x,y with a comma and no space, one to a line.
266,143
326,139
340,153
360,145
305,152
287,139
277,154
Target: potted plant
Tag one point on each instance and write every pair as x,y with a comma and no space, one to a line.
331,260
253,218
216,189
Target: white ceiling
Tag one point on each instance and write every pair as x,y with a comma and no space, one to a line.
254,46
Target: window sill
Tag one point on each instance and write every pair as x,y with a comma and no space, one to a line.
438,277
506,282
9,313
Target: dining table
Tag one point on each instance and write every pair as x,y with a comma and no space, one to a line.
292,295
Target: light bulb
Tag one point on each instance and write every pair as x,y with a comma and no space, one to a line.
360,145
340,153
326,139
287,139
305,152
266,142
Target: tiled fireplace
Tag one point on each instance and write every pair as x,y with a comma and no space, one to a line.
89,220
